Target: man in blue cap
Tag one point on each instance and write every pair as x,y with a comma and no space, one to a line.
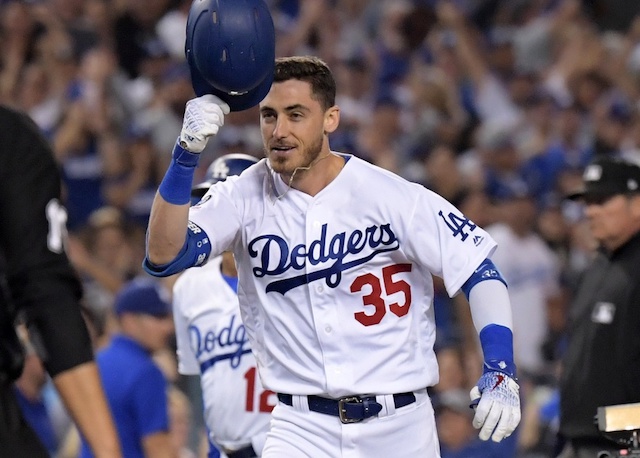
136,388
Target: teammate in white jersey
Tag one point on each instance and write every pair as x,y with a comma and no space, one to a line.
335,260
212,342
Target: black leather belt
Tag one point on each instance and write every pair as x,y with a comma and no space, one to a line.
245,452
350,409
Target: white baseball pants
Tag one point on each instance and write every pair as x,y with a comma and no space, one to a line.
407,432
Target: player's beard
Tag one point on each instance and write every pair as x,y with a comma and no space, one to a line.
288,165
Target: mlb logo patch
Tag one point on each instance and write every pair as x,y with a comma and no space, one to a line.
603,313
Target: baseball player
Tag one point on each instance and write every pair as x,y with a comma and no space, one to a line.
212,342
335,260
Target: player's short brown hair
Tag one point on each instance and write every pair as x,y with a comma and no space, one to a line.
312,70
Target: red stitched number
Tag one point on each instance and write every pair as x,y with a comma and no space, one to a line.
374,298
250,377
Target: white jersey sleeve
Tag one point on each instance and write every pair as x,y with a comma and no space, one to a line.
223,226
446,240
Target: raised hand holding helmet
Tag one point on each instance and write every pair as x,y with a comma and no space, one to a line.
203,117
230,48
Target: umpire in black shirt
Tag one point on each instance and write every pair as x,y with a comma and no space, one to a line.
601,366
38,282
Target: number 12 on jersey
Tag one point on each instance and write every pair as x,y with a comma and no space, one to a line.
263,405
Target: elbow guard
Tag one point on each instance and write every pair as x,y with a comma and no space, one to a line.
486,271
194,252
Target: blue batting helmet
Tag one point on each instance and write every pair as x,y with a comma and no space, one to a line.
223,167
230,49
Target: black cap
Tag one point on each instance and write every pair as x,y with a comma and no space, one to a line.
607,176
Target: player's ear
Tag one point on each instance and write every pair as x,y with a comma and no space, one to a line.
331,119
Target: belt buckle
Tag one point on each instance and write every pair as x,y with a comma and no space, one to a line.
342,412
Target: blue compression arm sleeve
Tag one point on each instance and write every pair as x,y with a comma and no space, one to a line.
490,303
194,252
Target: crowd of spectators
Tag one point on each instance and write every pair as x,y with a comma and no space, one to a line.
497,105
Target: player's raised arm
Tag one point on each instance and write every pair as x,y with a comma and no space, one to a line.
168,234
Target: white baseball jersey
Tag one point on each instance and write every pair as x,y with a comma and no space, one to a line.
336,290
212,342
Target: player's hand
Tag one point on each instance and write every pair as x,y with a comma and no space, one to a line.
203,117
497,404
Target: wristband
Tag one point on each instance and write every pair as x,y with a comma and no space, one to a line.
175,187
497,347
185,157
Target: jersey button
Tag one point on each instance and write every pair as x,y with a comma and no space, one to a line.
320,289
327,329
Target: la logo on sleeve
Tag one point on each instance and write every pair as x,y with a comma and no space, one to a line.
603,313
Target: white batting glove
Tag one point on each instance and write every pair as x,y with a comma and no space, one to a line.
203,117
497,403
